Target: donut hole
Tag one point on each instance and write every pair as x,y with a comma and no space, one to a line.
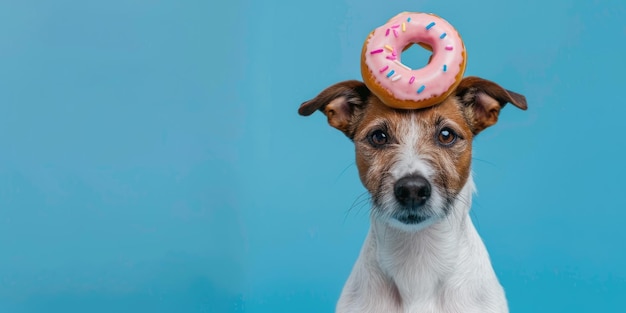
415,56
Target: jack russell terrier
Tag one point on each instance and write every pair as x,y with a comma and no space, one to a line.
422,253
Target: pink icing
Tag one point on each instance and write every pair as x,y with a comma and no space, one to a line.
431,80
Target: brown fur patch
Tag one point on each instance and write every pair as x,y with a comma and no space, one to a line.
450,163
352,108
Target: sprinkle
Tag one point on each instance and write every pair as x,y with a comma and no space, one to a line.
395,33
390,73
394,53
403,27
387,32
408,20
391,57
384,68
388,47
445,68
376,51
399,63
421,89
429,26
412,79
442,36
395,26
395,78
449,48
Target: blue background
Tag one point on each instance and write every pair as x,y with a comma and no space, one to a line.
152,160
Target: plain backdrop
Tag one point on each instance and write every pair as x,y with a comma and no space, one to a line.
152,158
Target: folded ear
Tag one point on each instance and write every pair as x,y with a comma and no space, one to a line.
342,104
483,100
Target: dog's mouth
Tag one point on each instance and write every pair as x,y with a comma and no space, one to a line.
411,219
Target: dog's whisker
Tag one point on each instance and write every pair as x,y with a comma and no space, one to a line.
474,213
363,207
485,161
360,198
361,201
344,171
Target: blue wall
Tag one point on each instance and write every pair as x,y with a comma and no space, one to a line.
151,157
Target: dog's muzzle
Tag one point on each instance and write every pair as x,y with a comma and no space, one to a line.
412,192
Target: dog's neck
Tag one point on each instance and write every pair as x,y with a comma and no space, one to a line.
420,264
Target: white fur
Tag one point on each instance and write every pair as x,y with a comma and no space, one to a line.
409,162
437,266
442,268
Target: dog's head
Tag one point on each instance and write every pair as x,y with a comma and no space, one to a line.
414,163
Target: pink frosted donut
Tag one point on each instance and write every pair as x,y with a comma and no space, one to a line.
396,84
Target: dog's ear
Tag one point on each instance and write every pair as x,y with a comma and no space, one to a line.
342,104
483,100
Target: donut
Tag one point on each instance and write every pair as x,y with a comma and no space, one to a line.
400,86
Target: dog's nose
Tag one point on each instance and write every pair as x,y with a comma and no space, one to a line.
412,190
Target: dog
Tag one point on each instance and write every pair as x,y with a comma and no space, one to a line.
422,253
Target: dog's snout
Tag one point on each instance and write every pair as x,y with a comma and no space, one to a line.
412,190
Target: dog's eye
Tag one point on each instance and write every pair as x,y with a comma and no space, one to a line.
446,136
378,138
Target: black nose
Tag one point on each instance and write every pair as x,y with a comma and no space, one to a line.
412,190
